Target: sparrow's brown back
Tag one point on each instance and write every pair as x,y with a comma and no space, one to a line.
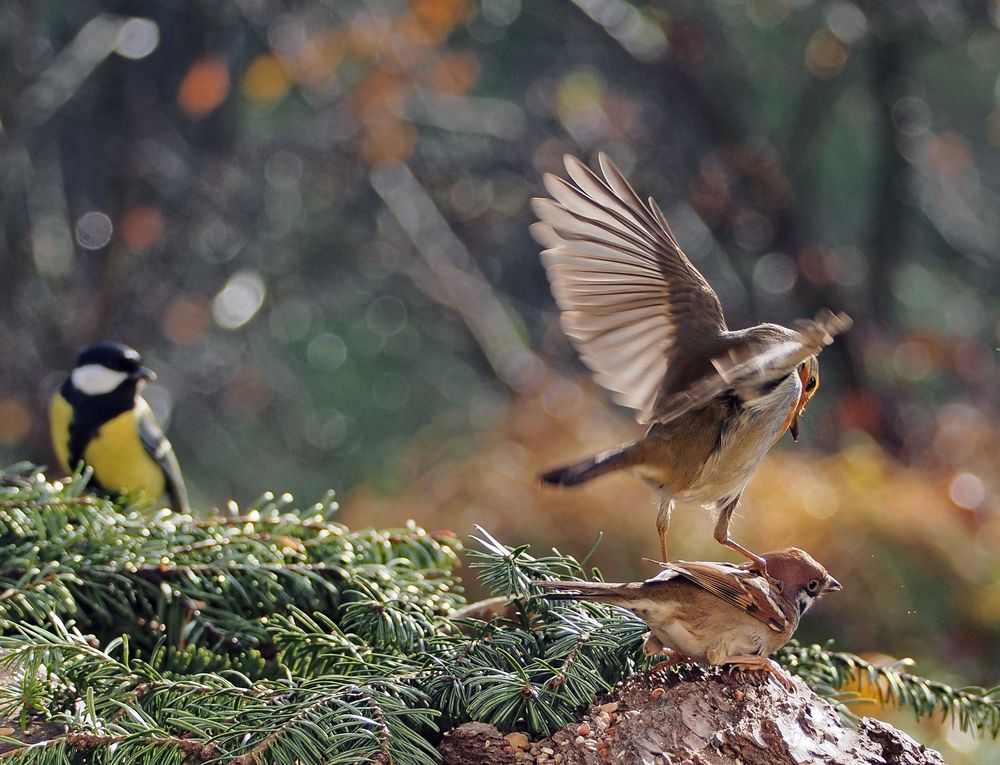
793,583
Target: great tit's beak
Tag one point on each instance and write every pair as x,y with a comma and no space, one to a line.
832,585
144,373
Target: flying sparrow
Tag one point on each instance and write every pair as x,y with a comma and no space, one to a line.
717,613
651,328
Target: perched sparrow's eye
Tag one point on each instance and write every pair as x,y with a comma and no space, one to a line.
813,586
811,384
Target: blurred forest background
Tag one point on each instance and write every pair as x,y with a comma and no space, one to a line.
312,219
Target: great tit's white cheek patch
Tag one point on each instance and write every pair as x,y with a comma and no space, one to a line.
96,380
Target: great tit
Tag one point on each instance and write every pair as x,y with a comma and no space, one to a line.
98,417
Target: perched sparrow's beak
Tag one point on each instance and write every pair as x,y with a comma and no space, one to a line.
144,373
832,585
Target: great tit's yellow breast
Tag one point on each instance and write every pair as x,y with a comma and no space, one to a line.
119,460
60,415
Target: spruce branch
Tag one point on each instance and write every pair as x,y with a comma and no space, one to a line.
279,635
826,671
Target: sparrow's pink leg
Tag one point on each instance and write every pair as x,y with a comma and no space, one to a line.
762,664
653,647
663,522
723,538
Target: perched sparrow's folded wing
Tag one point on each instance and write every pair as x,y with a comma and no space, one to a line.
738,586
741,366
626,290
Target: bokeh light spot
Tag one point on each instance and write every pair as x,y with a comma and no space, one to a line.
500,12
846,21
826,56
239,300
137,38
266,80
142,227
775,273
327,351
93,230
911,360
386,316
204,87
15,420
283,169
966,490
186,320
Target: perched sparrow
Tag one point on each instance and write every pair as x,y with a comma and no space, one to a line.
717,613
651,328
98,417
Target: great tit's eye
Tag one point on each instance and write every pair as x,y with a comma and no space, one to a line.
813,586
811,384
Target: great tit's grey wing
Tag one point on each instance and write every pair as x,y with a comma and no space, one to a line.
740,587
629,296
742,366
160,449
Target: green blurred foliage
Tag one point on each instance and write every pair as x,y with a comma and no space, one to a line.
311,217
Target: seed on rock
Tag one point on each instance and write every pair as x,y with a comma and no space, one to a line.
580,740
517,740
548,750
583,730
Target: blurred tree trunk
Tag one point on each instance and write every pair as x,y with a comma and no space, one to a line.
709,718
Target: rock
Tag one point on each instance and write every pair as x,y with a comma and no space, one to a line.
477,743
717,718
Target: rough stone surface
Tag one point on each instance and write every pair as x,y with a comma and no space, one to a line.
704,718
477,743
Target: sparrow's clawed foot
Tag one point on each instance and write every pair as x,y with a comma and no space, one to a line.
761,664
653,647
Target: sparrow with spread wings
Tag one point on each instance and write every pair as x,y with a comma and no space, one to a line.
716,613
652,330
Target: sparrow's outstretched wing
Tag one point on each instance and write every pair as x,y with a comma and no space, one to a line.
744,365
629,295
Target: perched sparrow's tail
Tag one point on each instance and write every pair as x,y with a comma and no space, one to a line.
604,592
585,470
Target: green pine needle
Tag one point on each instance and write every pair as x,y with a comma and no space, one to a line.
279,635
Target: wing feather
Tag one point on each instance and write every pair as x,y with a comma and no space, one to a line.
626,290
739,586
160,449
748,366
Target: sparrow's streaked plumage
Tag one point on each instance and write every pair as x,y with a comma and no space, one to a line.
98,417
652,330
717,613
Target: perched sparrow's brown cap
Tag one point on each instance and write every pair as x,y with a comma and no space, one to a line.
792,566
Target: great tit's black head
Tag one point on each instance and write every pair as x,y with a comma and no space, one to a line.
106,366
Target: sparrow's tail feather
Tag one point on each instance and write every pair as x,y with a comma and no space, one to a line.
604,592
585,470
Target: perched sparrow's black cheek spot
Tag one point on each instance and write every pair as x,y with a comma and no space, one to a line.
803,601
